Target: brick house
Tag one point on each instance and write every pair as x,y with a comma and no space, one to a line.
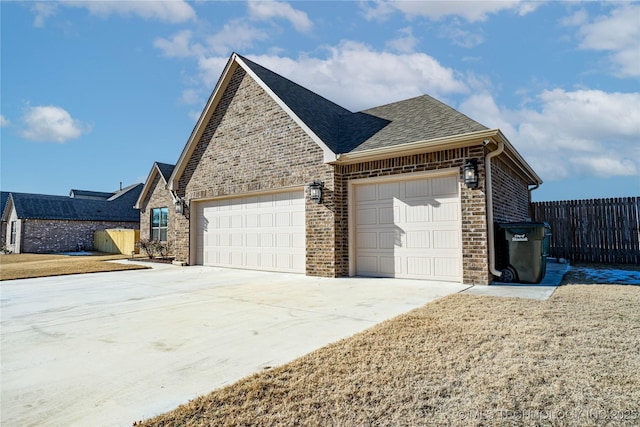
39,223
394,202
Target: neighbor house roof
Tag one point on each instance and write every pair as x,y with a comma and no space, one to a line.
4,197
419,122
164,170
43,206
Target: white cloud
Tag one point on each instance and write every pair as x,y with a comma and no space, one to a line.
178,46
267,10
172,11
352,75
210,70
459,36
191,97
49,123
42,11
470,10
4,122
357,77
617,33
584,132
235,35
405,42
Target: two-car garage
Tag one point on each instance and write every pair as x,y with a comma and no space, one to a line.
404,228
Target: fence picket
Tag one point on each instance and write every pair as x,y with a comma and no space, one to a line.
595,230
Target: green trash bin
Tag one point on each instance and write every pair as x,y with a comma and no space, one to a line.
524,247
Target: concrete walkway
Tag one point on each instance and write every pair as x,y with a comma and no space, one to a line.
113,348
554,274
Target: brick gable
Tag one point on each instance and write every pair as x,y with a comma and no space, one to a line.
251,145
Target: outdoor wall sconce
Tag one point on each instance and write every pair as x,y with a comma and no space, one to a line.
315,191
471,173
179,206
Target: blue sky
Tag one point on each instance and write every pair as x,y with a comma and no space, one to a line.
92,93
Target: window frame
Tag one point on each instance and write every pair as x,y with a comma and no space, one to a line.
14,232
159,228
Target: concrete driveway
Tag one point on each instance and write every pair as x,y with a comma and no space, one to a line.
113,348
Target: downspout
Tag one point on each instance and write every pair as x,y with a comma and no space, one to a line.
535,187
489,195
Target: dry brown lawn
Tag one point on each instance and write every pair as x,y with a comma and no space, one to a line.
23,266
467,360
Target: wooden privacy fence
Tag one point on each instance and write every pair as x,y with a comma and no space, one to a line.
601,230
116,241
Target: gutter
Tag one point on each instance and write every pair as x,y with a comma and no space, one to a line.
489,195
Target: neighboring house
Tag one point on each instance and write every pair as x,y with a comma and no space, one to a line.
394,202
39,223
4,196
156,205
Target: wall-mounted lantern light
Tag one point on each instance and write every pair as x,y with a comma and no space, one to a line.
315,191
471,173
179,206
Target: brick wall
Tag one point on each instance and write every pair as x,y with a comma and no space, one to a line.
158,197
47,236
251,145
473,207
510,193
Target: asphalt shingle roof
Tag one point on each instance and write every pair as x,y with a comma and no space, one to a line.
4,197
42,206
165,170
416,119
319,114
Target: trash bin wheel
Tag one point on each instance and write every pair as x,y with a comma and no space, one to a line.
508,275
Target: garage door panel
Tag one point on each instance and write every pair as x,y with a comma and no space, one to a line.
367,216
444,185
446,239
420,239
419,188
446,267
409,229
368,240
418,213
388,191
298,241
446,211
419,266
257,232
389,266
387,214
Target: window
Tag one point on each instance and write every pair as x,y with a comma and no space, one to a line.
159,221
14,229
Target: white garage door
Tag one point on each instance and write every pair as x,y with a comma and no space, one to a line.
265,232
409,229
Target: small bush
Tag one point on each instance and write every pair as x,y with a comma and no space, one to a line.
154,247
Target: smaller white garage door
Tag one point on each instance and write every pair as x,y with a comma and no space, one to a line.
409,229
265,232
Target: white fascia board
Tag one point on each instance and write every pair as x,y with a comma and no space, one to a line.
328,154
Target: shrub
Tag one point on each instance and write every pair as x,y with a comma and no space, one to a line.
154,247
